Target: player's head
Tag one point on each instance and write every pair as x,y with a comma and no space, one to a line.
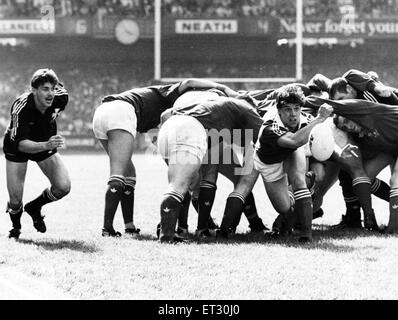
43,87
374,75
340,89
43,76
289,101
346,125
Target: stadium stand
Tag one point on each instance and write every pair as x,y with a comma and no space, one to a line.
192,8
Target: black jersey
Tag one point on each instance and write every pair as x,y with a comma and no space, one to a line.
149,103
365,85
224,114
267,147
28,123
379,121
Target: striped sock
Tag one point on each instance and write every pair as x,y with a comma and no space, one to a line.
380,189
303,211
47,196
233,210
352,216
361,187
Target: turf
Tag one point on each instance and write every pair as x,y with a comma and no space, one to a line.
73,257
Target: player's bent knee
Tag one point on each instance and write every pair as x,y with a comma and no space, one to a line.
298,182
62,188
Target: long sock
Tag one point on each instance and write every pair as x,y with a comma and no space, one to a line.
303,211
211,223
169,212
381,189
183,217
393,221
353,208
233,209
207,193
250,211
290,218
15,213
195,203
113,196
127,202
47,196
361,187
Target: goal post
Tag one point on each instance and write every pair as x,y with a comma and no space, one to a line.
298,53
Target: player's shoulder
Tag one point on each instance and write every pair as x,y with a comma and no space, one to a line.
20,103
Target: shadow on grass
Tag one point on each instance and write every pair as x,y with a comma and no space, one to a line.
53,245
323,236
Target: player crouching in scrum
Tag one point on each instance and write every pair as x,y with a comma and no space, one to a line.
183,143
281,160
32,135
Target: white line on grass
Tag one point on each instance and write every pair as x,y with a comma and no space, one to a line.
17,286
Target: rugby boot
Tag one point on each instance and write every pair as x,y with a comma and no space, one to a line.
38,219
15,216
111,233
370,222
133,232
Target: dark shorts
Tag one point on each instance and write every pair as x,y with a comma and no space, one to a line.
24,157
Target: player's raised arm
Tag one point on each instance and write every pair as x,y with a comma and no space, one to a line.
300,138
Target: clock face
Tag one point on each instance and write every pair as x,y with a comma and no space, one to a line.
127,31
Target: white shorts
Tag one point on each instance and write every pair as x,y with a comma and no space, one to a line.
181,134
114,115
269,172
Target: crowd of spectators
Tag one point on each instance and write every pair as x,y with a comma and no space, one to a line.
88,84
200,8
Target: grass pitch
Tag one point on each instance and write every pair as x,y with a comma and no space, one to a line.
74,258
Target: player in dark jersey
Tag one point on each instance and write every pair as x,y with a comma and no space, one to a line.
375,125
183,142
355,84
32,135
115,124
228,164
280,156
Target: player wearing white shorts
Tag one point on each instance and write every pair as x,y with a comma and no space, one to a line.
218,116
115,124
281,160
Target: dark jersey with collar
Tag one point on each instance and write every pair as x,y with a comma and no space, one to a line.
225,114
379,122
28,123
267,148
149,103
365,85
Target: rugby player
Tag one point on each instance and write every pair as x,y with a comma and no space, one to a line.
116,123
183,143
227,164
32,135
375,125
355,84
280,158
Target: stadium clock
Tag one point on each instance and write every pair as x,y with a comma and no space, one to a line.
127,31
